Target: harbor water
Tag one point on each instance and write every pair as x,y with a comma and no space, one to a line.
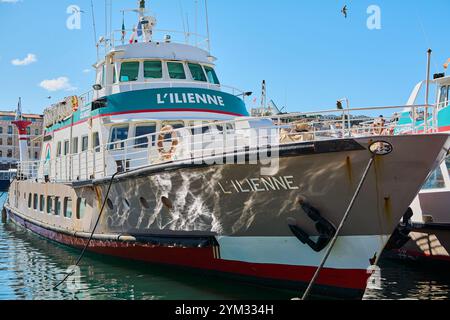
31,266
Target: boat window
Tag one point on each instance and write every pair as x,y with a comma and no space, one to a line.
35,201
443,96
96,141
84,143
66,147
68,208
211,74
197,72
118,134
129,71
29,200
49,205
42,203
145,130
75,145
58,149
114,74
57,206
176,70
81,208
152,69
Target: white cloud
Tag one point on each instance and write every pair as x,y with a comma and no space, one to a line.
10,1
86,70
61,83
29,59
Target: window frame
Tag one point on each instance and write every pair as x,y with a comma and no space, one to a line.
66,206
121,70
83,139
193,64
168,63
151,78
112,145
138,143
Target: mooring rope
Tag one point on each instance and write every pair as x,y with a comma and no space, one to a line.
92,234
338,231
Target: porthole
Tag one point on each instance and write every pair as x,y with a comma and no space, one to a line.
144,203
110,204
167,203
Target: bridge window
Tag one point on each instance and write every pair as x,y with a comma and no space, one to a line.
129,71
197,72
176,70
211,74
68,208
145,130
153,69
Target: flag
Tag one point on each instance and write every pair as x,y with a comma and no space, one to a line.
139,29
123,29
133,35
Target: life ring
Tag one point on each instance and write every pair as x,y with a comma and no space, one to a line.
167,154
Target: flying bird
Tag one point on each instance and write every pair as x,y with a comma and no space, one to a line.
345,11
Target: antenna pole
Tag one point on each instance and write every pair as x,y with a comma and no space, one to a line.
427,93
207,26
93,24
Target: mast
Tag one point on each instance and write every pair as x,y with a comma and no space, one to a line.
22,126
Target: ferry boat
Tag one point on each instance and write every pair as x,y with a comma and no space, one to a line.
161,163
424,235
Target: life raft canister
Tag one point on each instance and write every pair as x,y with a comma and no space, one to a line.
167,154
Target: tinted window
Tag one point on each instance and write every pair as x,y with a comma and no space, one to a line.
118,134
42,204
211,74
49,205
96,142
144,131
444,93
68,208
84,143
75,145
58,149
81,208
66,147
153,69
57,206
176,70
35,201
197,72
129,71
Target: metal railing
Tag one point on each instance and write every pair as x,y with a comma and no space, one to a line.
221,138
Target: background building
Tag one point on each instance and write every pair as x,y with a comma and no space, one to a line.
9,140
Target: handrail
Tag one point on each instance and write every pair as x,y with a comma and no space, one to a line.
211,137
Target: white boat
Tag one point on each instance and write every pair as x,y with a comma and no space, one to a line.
424,235
161,163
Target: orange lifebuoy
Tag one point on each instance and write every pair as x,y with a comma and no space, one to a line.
167,154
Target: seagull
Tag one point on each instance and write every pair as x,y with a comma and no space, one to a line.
344,11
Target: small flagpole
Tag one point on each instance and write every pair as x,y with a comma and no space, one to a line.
207,26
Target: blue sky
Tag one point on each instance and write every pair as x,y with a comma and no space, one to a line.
308,53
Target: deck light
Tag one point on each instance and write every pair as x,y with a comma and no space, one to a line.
97,87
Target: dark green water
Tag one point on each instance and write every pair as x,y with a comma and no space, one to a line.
31,266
